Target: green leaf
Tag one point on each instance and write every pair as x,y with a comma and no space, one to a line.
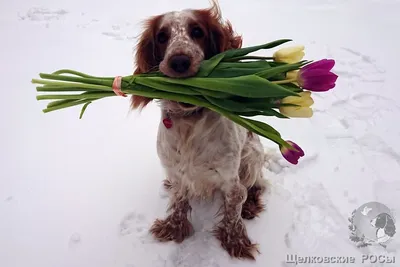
250,86
234,72
158,84
244,51
207,66
228,105
277,64
268,73
259,128
265,127
161,85
252,64
266,112
246,108
293,87
249,58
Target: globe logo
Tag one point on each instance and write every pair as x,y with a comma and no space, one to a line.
372,224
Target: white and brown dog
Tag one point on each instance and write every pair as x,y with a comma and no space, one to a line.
201,151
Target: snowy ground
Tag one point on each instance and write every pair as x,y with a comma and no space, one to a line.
82,193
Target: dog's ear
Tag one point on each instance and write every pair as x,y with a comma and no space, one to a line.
216,41
221,36
146,50
146,57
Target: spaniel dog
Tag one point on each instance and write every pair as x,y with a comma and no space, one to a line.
201,151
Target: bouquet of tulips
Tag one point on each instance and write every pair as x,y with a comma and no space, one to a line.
234,84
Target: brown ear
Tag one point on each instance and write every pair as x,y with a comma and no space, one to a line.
232,40
222,38
145,57
221,34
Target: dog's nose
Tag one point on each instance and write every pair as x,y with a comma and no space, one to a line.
180,63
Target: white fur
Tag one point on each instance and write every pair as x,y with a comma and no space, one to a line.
205,152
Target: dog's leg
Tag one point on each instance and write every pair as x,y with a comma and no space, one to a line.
231,230
253,205
251,175
176,227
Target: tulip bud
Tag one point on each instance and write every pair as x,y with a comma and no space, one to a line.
301,105
289,54
291,155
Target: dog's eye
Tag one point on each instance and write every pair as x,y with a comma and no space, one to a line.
162,37
197,32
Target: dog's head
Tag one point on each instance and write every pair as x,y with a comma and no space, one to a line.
176,43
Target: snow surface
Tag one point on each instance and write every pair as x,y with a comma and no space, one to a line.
82,193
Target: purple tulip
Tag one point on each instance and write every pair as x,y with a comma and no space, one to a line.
317,76
290,155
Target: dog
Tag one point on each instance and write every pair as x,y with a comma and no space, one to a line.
201,151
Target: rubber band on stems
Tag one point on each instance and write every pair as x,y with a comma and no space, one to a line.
116,86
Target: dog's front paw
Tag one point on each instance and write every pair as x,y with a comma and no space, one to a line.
234,240
173,228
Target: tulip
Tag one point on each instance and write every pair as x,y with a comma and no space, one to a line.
289,54
302,105
291,155
293,76
317,76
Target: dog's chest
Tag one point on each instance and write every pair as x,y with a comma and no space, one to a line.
194,148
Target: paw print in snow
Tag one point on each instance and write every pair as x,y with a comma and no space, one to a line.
132,223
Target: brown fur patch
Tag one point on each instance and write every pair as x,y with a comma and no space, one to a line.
176,227
234,239
231,230
253,205
172,229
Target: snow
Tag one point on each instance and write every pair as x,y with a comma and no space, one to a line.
84,192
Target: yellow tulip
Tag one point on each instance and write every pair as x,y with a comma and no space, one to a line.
293,76
302,110
289,54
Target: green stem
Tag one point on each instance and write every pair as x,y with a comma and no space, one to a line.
84,109
77,73
100,81
59,102
71,84
285,81
65,89
74,96
248,57
81,74
69,104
